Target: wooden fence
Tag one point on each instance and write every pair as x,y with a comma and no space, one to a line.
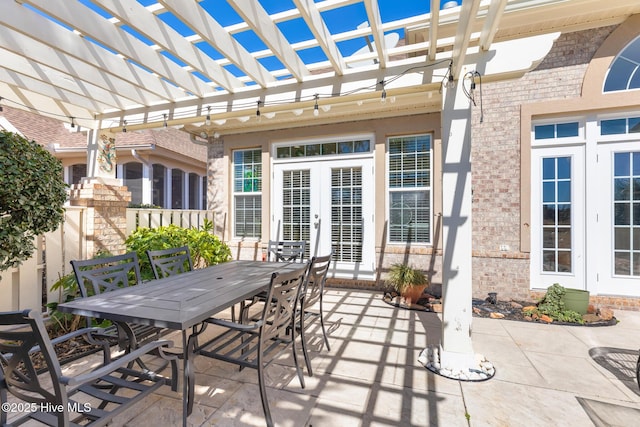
28,286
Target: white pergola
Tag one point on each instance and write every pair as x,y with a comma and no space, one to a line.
148,65
173,62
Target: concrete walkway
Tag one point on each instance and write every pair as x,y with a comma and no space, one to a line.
546,375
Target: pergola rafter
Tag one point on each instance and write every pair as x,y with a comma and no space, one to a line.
88,60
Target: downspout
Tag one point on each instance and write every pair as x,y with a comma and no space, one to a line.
199,142
136,156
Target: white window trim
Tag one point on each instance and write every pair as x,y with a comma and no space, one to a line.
235,238
558,142
388,191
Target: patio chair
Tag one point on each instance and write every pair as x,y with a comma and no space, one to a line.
99,275
311,295
286,250
168,262
256,345
278,251
54,399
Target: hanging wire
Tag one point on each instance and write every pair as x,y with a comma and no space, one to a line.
470,93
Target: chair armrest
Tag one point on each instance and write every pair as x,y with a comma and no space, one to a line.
235,325
66,337
119,363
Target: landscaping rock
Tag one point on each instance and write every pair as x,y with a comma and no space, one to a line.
546,319
590,317
605,314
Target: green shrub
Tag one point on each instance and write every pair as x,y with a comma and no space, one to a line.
68,290
205,247
552,305
32,194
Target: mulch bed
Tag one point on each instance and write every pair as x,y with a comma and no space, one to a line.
508,310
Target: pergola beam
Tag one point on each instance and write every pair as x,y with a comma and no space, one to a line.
147,24
107,34
210,31
260,21
311,15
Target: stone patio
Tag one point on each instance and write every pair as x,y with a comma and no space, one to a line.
545,375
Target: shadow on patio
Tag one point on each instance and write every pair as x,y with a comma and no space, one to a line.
545,374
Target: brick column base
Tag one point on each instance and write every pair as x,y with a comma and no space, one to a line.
106,204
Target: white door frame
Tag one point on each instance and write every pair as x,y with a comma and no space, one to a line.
576,278
320,168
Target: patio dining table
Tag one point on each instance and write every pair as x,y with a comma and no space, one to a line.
182,303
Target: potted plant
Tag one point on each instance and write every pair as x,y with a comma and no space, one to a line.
409,282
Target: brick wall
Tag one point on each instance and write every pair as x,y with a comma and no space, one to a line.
106,215
496,160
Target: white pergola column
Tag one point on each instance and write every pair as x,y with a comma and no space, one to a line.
457,351
147,198
509,59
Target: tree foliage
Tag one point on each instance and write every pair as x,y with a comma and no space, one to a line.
32,194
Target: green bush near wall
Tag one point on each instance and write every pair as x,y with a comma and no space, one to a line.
205,247
32,194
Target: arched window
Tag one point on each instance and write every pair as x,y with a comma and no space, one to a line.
624,73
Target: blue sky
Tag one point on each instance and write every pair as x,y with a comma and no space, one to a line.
337,20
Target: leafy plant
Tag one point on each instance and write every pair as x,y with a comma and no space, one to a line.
552,304
205,247
67,288
403,276
32,194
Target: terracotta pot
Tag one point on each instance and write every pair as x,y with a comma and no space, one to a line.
412,294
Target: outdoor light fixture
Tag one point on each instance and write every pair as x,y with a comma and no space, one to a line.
124,126
164,124
207,120
450,82
315,107
383,97
73,124
0,104
258,109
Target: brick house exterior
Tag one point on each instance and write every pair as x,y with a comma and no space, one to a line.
501,170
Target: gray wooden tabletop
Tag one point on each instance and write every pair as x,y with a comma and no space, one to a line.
181,301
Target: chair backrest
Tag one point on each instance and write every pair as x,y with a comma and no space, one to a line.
25,330
168,262
99,275
281,302
315,280
286,250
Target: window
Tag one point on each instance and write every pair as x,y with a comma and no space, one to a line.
158,181
177,186
624,73
621,126
626,207
556,214
194,191
324,149
409,184
247,193
77,172
556,130
133,180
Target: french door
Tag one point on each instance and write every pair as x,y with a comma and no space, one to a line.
618,218
329,204
558,217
